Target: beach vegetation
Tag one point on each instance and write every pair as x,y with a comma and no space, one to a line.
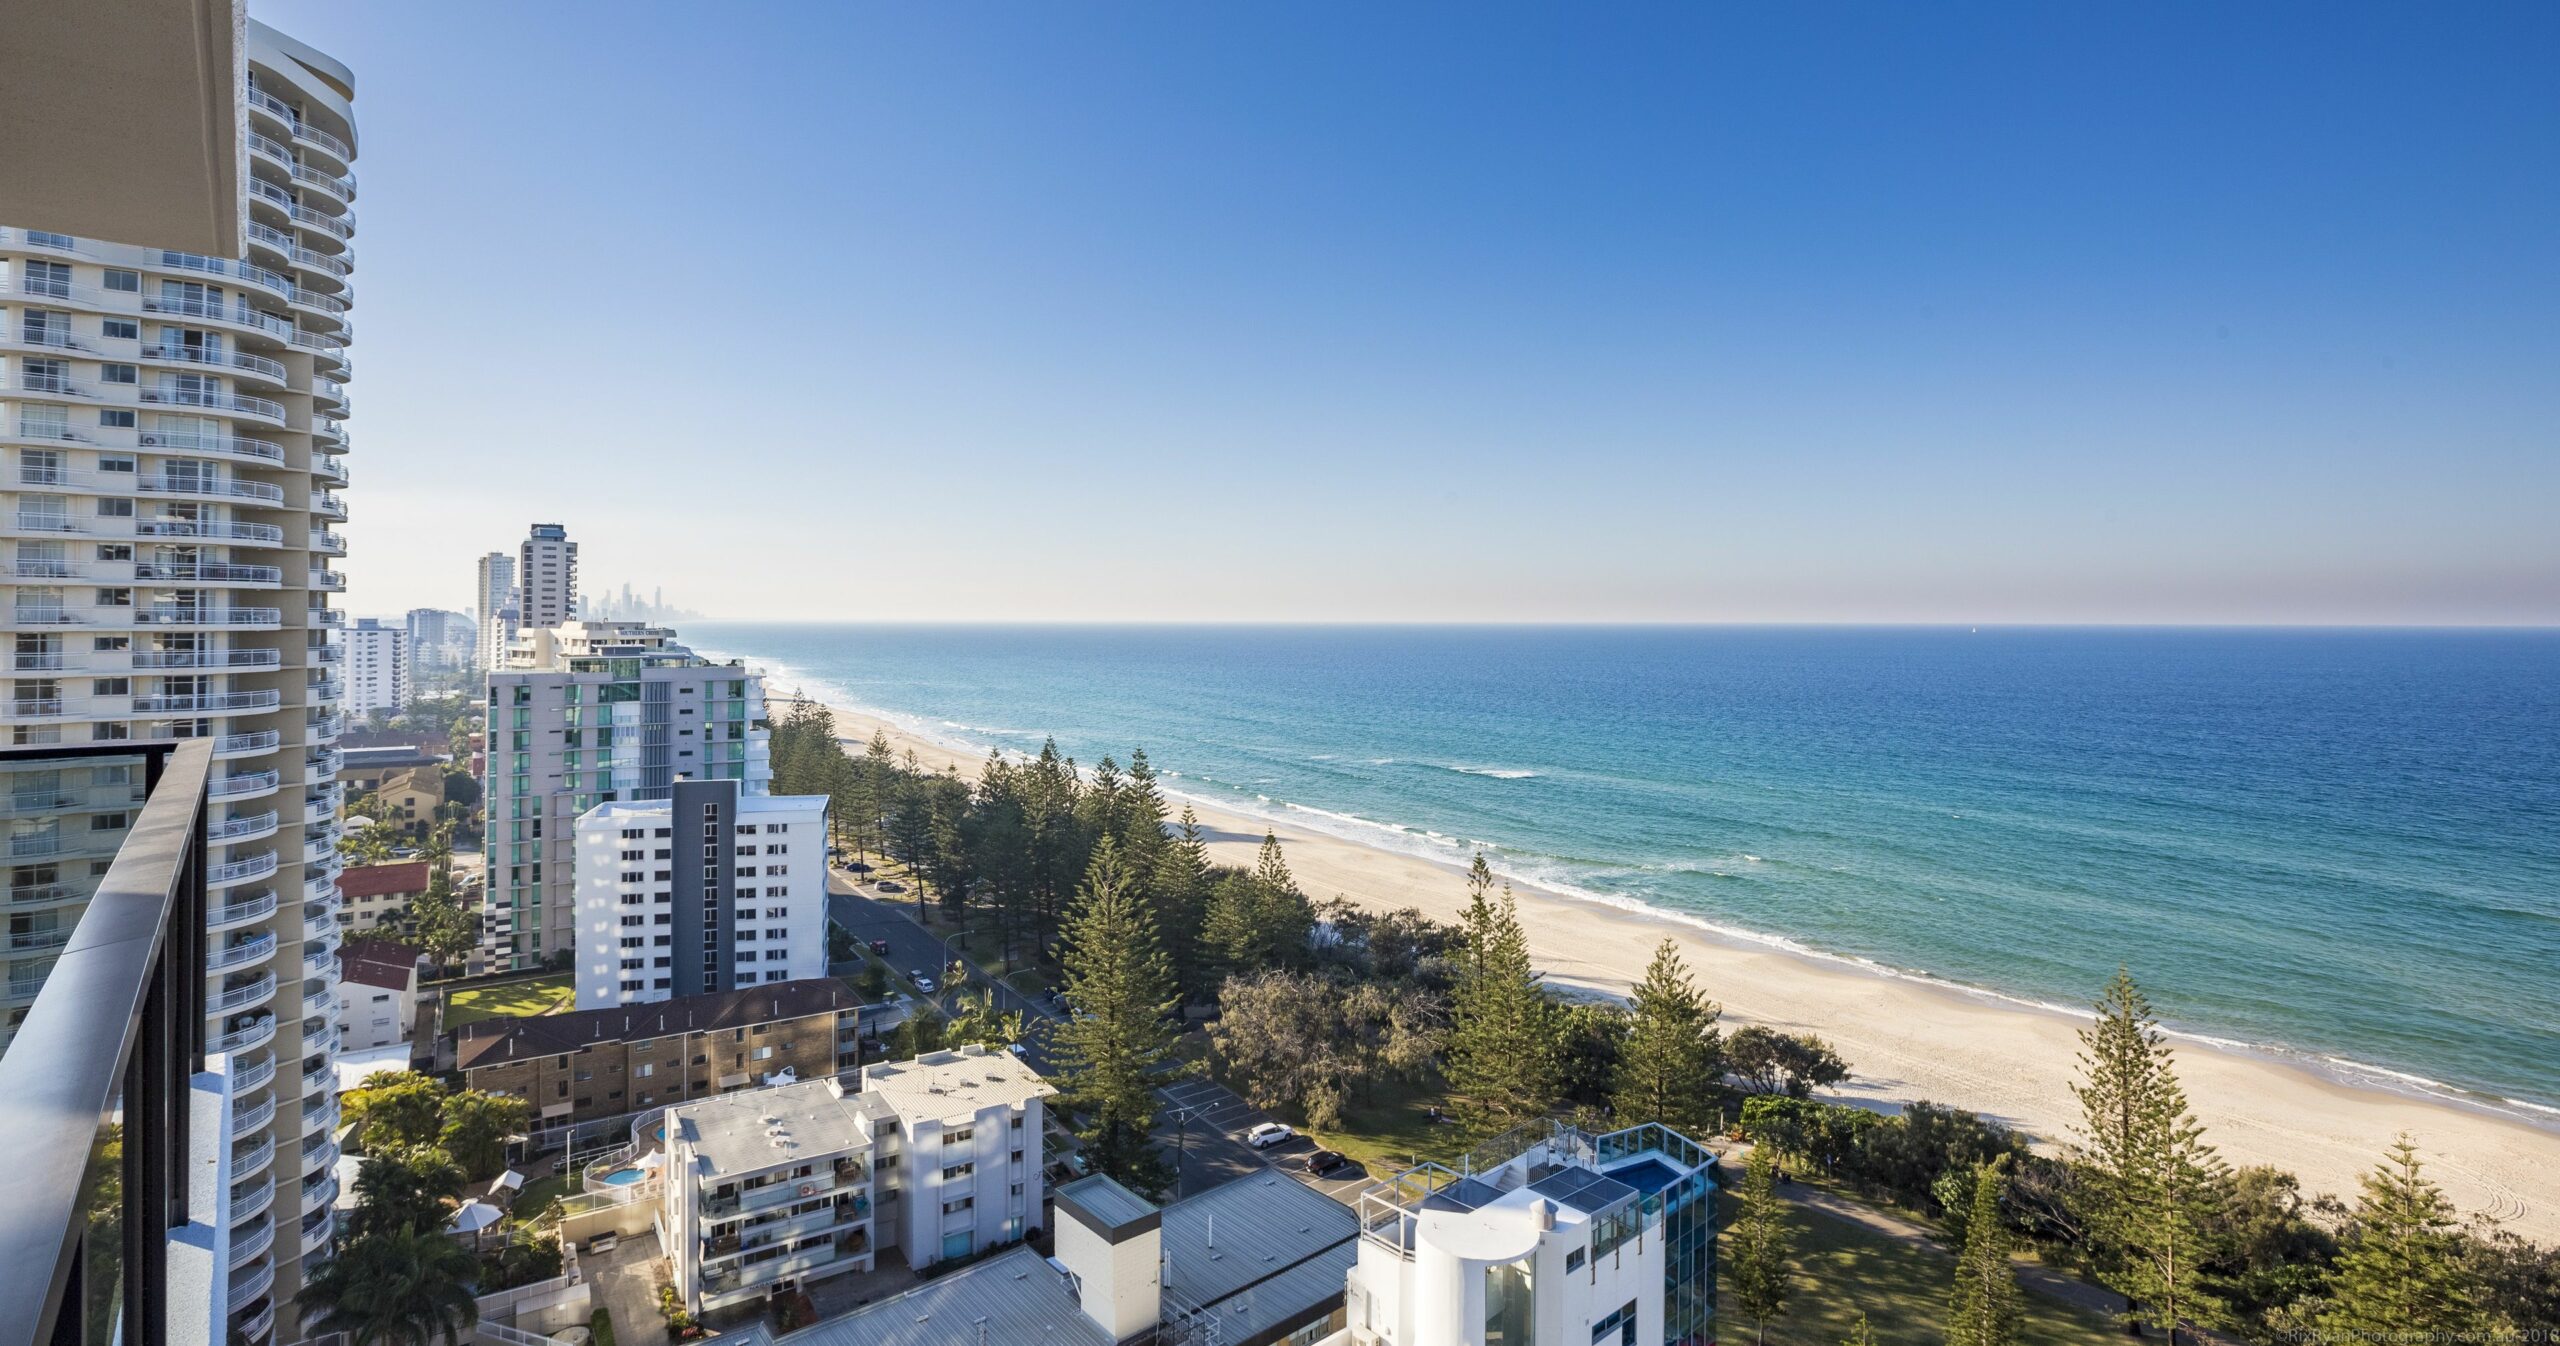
2400,1274
1505,1036
1985,1307
1110,1052
1671,1052
1767,1061
1759,1245
2150,1183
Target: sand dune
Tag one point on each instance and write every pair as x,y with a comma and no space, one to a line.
1907,1039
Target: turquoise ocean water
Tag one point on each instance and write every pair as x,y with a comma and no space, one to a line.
2343,846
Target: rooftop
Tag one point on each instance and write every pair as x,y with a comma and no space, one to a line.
1016,1297
1101,1196
377,963
490,1042
406,876
748,803
1257,1252
946,1086
756,1129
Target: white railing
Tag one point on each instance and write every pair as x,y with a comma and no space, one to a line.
215,441
232,829
249,950
204,702
253,1033
240,997
228,532
240,871
238,913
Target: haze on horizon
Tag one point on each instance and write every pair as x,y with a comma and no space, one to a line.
1162,312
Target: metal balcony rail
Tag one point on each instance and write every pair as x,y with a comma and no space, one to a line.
236,871
241,996
117,1024
232,828
143,659
321,261
224,266
182,703
249,910
215,310
208,572
326,223
211,441
177,616
216,399
220,359
225,531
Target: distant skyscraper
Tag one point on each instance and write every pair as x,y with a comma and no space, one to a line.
439,641
494,597
547,577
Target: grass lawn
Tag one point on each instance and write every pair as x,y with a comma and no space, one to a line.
540,1192
537,995
1843,1270
1386,1133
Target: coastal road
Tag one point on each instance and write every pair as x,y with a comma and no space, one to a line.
869,916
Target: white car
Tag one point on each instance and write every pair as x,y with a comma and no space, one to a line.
924,983
1268,1134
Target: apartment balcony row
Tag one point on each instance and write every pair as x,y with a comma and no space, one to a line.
38,476
23,802
127,572
281,155
208,703
251,827
242,1035
247,869
243,270
266,105
233,313
33,617
241,951
251,1153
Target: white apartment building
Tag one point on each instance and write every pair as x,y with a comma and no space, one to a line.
494,598
771,1188
1608,1239
171,444
547,577
377,665
592,713
710,889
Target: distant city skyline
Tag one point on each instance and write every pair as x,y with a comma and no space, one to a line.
1139,312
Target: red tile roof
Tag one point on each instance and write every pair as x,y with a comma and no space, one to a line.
377,962
406,876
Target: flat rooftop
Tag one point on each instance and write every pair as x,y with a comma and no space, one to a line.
945,1086
1013,1299
757,1129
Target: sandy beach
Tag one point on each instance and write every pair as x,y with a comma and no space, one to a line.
1908,1040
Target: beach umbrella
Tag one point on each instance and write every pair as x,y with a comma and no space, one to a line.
476,1216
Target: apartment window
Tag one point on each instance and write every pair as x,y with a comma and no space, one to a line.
113,687
115,509
116,420
1573,1262
645,1070
958,1135
121,329
118,374
958,1171
126,282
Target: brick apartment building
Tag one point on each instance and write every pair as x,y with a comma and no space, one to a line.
594,1064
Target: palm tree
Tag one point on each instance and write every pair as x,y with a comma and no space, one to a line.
393,1287
406,1188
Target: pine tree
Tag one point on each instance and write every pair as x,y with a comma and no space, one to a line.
1763,1277
2400,1276
1861,1333
1985,1308
1122,987
2150,1179
1669,1059
1504,1032
1178,890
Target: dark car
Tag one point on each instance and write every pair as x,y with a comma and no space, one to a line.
1324,1161
880,947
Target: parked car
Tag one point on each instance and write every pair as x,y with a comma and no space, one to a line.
880,947
1014,1047
924,983
890,886
1268,1134
1323,1161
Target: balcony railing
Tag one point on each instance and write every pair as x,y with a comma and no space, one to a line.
226,531
116,1027
213,441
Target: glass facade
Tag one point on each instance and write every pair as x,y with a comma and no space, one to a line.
1510,1305
1689,1268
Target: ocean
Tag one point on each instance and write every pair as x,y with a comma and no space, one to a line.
2339,846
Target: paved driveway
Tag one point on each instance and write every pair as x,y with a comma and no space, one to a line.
1213,1145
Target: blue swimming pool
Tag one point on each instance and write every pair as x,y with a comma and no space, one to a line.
623,1177
1646,1175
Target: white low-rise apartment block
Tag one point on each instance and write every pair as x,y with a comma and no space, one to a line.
710,889
1605,1239
377,667
771,1189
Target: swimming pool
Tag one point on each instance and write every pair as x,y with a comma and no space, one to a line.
1645,1175
623,1177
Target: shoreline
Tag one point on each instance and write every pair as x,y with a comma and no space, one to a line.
1906,1036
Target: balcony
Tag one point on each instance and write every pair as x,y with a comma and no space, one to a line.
251,1242
250,1283
232,659
249,1076
248,782
233,872
214,399
260,618
259,1321
232,916
241,745
242,829
201,441
221,530
317,1196
207,703
247,995
220,488
327,544
252,1154
316,1232
328,506
241,952
250,1199
206,309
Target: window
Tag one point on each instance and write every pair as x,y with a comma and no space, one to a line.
121,329
116,420
958,1171
1573,1260
118,374
127,282
958,1135
115,509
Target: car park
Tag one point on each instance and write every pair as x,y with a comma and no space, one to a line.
1268,1134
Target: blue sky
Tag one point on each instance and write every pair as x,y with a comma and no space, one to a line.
1833,313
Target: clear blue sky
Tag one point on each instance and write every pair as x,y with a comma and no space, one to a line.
1737,312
